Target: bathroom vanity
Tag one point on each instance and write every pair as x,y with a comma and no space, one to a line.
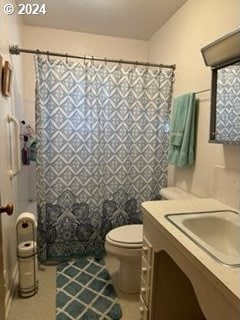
179,279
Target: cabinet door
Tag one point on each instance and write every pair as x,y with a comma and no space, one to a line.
173,296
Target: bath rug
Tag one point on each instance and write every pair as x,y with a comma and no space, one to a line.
85,291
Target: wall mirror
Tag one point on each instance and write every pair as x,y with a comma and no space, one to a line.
225,116
223,56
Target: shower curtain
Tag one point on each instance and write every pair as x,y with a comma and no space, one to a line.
102,144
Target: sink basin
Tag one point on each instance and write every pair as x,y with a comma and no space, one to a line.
216,232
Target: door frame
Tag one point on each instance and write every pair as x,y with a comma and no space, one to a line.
2,280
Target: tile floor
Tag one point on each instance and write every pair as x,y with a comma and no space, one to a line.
42,305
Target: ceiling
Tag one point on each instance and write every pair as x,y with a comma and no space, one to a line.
136,19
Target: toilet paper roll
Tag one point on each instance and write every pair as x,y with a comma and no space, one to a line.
26,223
28,265
27,248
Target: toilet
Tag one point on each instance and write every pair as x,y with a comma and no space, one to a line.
125,243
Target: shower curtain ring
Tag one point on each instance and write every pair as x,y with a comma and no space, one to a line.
173,77
66,58
93,60
120,63
105,61
147,67
48,56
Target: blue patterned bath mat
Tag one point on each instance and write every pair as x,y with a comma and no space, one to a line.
85,292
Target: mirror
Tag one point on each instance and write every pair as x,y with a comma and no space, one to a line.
225,115
223,55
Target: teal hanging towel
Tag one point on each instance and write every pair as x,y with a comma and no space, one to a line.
182,131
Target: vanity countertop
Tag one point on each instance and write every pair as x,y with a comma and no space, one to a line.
225,278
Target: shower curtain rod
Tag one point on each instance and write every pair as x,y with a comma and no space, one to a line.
16,50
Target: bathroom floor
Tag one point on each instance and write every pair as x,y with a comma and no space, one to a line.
42,305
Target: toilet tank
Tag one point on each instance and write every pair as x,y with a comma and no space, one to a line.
174,193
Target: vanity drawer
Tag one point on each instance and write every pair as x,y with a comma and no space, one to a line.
144,291
143,309
146,271
147,251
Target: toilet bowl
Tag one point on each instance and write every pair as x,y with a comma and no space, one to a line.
125,243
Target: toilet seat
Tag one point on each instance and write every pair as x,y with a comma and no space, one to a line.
128,236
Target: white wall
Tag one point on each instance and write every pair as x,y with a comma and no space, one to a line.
78,44
179,41
16,190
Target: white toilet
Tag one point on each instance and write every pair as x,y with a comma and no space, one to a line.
125,243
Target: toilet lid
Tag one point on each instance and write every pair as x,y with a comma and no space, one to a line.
129,235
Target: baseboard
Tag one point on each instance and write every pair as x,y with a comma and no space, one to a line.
10,293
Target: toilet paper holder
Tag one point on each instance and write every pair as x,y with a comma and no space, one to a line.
27,255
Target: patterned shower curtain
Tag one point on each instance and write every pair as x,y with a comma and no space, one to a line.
101,150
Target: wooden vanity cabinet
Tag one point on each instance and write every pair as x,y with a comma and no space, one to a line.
166,293
146,279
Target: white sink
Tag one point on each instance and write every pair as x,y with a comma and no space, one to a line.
216,232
